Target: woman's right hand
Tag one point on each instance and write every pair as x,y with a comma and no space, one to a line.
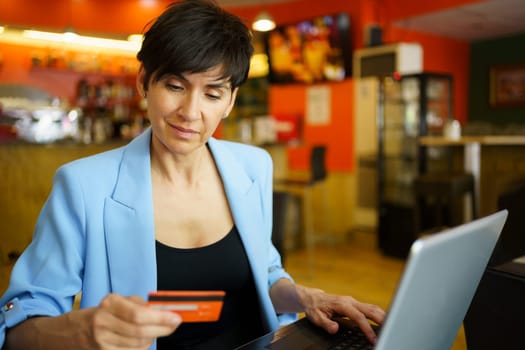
117,323
128,323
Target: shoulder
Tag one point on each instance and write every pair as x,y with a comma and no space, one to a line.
98,163
238,149
250,156
135,154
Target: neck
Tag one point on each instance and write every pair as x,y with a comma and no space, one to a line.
184,169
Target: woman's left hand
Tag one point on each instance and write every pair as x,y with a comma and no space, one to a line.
321,308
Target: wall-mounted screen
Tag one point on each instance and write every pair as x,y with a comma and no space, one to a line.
314,50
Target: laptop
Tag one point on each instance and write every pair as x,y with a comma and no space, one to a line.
437,286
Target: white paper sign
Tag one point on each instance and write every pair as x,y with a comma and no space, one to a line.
318,107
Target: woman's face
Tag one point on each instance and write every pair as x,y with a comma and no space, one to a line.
185,110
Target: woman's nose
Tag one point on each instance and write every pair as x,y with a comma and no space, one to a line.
190,106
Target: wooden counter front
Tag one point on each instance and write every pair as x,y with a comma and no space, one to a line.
26,175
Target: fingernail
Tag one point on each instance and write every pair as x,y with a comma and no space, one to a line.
176,320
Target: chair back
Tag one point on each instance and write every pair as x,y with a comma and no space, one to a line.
511,243
280,203
318,163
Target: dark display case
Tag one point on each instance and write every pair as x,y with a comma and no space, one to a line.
410,106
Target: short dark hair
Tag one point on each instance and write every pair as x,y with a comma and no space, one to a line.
194,36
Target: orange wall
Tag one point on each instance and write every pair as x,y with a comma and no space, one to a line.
124,16
291,100
99,16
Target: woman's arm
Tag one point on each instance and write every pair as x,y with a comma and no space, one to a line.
47,332
321,307
118,323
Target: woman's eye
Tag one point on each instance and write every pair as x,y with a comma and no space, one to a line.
174,87
213,97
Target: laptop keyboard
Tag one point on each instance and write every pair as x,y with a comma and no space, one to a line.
351,339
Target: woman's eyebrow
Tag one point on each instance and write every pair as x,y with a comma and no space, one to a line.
181,77
219,85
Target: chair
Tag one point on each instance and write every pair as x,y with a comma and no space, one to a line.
439,200
280,205
301,188
511,243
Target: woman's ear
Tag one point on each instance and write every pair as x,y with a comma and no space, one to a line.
141,76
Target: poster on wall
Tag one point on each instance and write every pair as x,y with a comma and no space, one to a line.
507,85
314,50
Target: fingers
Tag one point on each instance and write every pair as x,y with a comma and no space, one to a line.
366,328
372,312
135,310
361,313
331,326
129,323
327,307
321,320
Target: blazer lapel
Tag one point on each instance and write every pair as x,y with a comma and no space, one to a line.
244,199
128,223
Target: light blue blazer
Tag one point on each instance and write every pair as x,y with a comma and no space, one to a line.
95,233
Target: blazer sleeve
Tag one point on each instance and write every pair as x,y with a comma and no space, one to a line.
47,276
276,270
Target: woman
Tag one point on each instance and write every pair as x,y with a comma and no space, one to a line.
175,209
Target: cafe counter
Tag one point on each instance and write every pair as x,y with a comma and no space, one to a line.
26,175
496,161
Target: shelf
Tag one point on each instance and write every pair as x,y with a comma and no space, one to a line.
100,74
106,102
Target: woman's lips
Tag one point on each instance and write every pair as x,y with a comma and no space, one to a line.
183,132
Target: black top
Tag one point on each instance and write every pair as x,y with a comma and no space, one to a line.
222,265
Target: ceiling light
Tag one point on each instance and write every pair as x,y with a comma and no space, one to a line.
68,41
136,38
37,34
89,41
263,22
69,35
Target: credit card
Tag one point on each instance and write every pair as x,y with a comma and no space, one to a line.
191,305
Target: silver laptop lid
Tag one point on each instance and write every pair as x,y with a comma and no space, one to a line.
438,284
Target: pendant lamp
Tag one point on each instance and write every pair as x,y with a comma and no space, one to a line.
263,22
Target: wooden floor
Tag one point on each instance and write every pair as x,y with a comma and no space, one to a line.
354,268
